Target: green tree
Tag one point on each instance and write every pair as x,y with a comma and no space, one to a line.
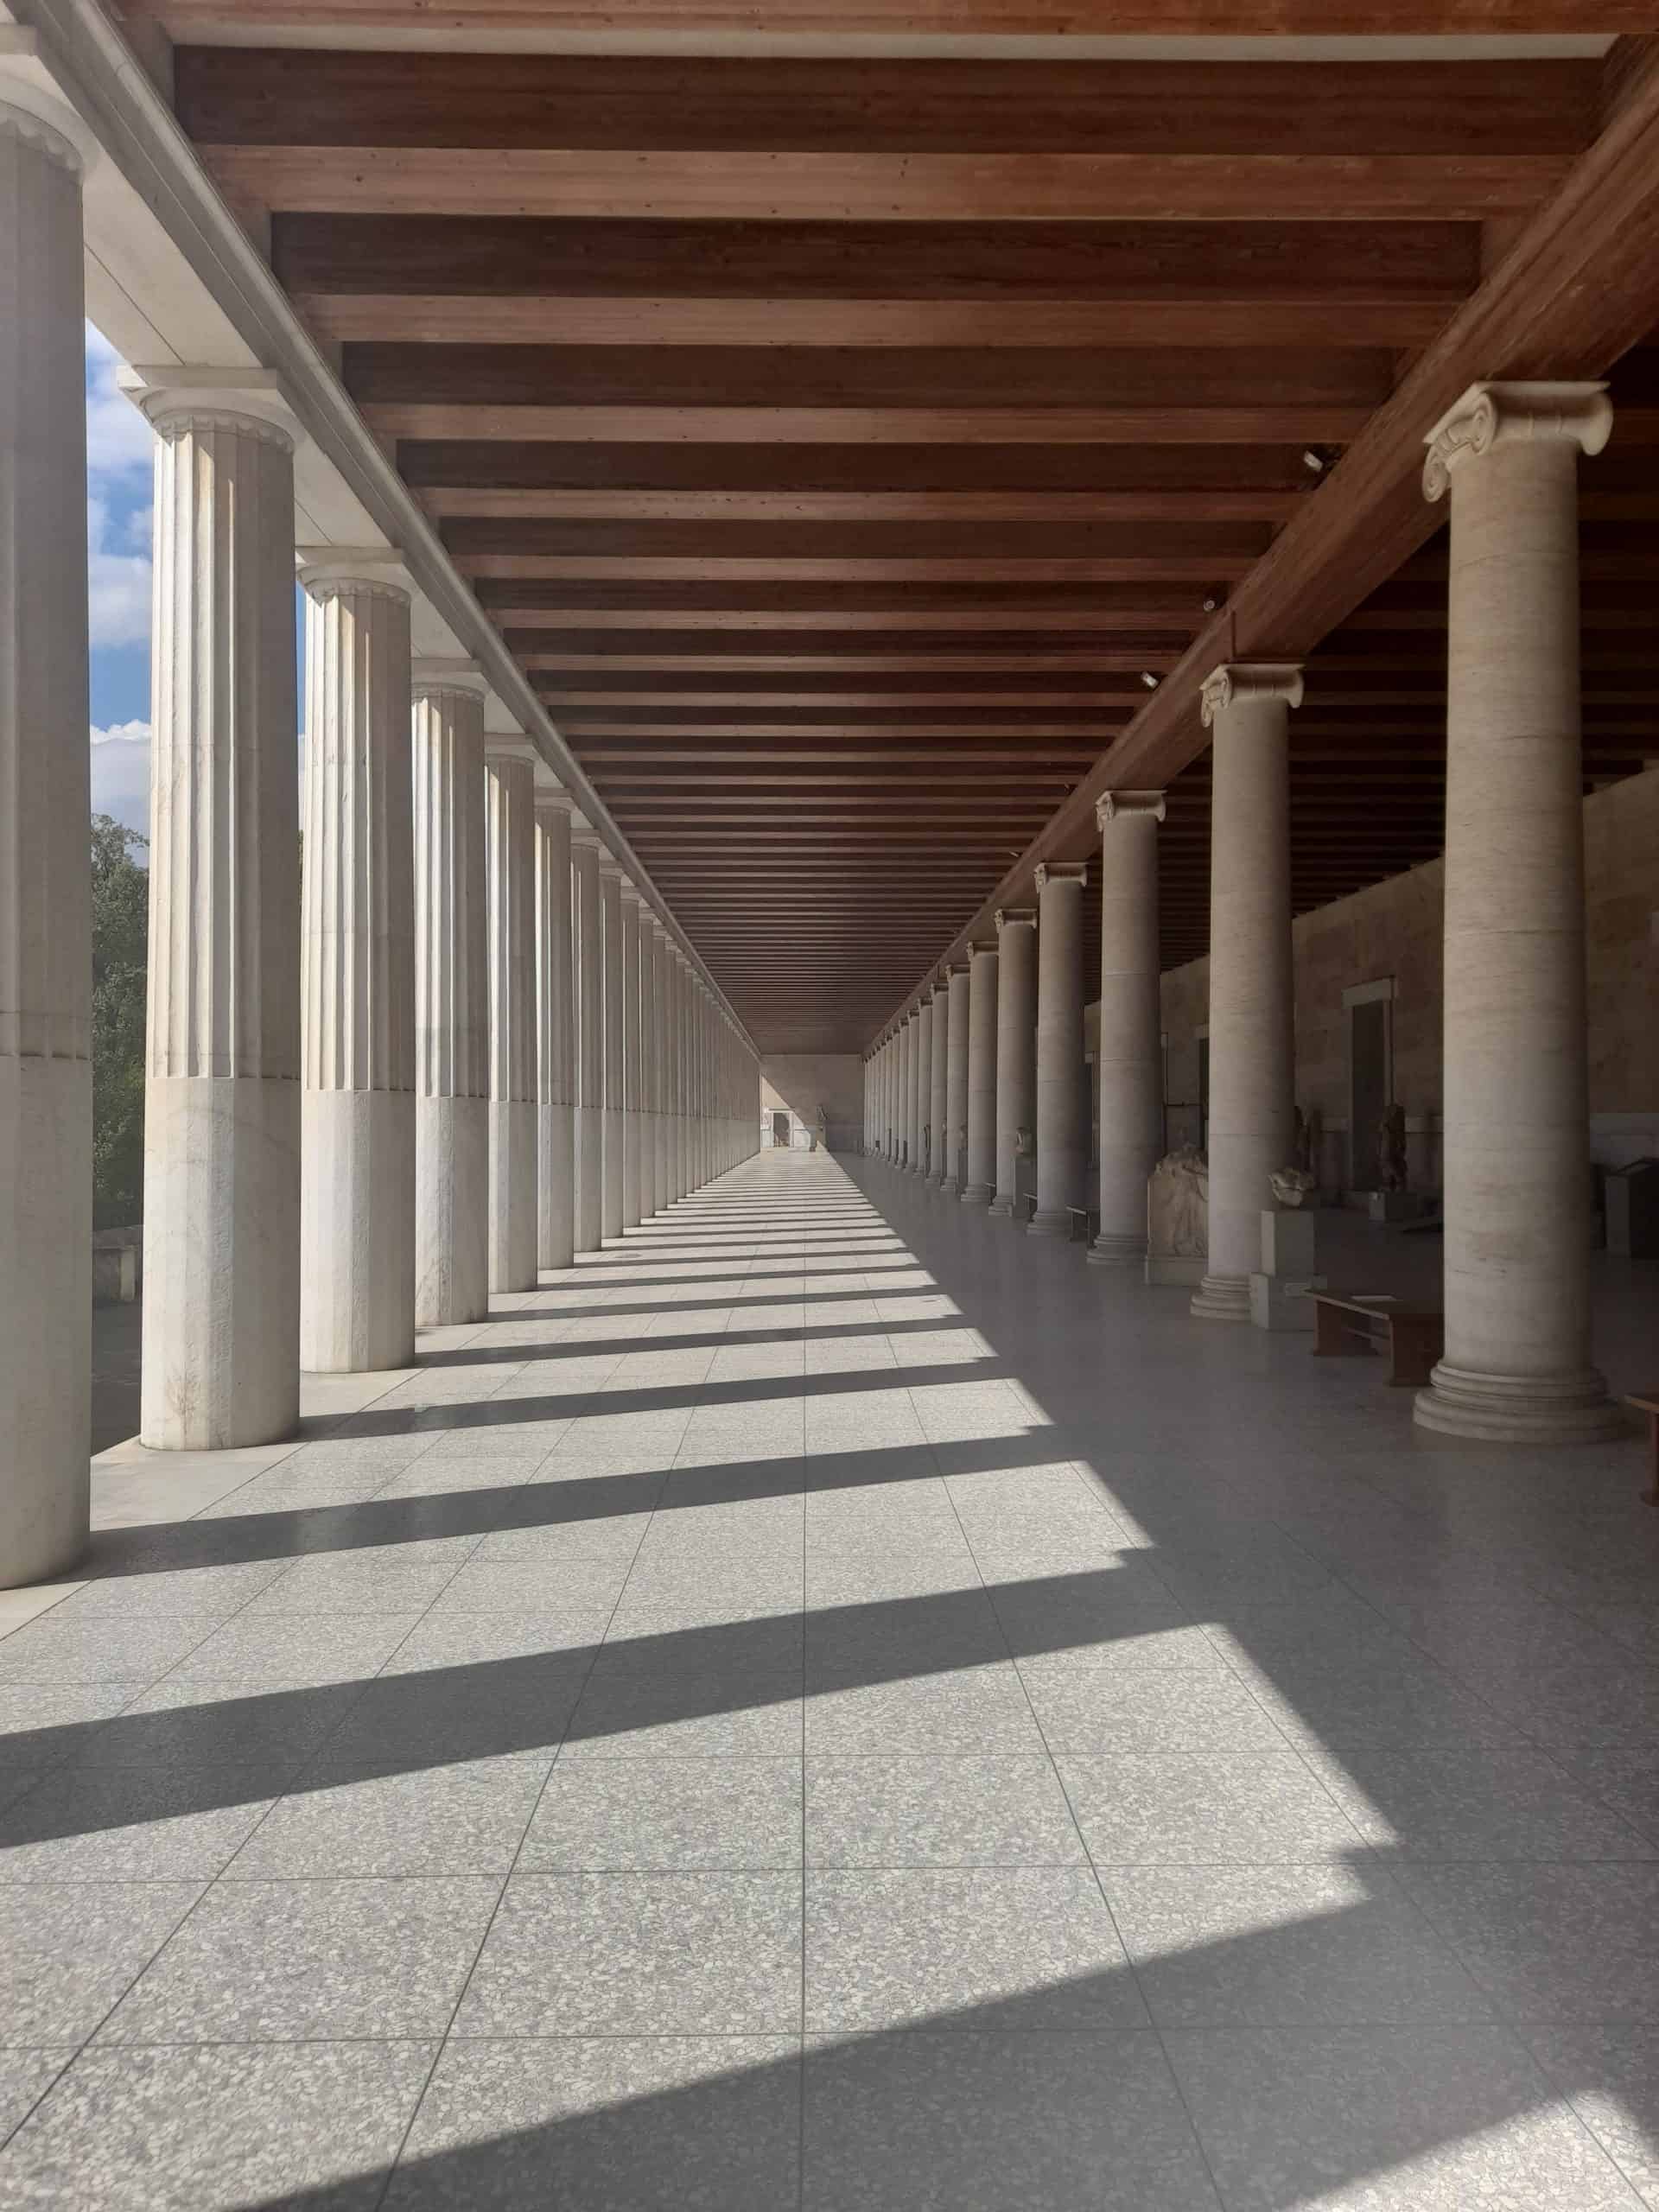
120,951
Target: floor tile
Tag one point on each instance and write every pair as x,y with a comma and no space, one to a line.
299,1648
1478,1803
1106,1710
609,1815
621,2124
1567,1944
132,1823
69,1950
1176,1809
25,2077
67,1651
1610,2078
467,1817
989,2123
640,1953
982,1709
302,1962
1387,2119
1219,1947
924,1810
985,1948
214,2130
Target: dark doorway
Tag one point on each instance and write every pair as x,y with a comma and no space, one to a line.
1369,1089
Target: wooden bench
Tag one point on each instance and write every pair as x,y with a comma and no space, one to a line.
1647,1401
1347,1323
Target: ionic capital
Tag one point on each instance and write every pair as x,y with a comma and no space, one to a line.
1491,415
1009,917
1235,681
1110,804
501,751
377,571
1057,872
31,111
430,676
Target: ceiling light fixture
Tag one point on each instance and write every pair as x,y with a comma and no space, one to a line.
1148,679
1313,460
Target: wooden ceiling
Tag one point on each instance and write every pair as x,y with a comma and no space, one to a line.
858,450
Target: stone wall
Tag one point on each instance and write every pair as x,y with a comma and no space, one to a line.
1393,931
805,1081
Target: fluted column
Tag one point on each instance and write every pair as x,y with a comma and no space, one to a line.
1062,1112
981,1076
1516,1367
46,1095
955,1085
555,1038
221,1319
924,1162
1016,1046
1252,1050
590,1035
648,1199
675,1032
610,900
510,815
452,989
938,1065
357,1309
1129,1061
664,1067
631,1033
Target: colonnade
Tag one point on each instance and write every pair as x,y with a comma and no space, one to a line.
1516,1367
457,1046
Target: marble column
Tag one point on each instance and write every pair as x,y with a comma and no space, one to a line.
46,1090
357,1247
1252,1046
555,1038
630,1097
1516,1367
1016,1047
452,993
647,1063
924,1166
610,900
664,1067
1129,1065
938,1062
510,818
677,1074
590,1034
981,1169
1062,1097
221,1305
955,1085
907,1091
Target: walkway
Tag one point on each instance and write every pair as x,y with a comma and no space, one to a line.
835,1705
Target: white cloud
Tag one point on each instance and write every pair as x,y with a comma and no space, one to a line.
118,440
117,584
121,773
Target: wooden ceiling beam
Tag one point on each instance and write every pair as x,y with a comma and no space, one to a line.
1051,509
1228,424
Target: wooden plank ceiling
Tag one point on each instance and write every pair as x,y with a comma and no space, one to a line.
850,446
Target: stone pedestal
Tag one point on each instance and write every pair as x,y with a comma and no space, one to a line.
1517,1365
221,1318
357,1275
981,1076
1016,1047
590,1035
1062,1123
1288,1271
1129,1058
555,1161
46,1096
510,815
1252,1061
452,1066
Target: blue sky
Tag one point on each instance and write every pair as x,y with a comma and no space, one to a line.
118,532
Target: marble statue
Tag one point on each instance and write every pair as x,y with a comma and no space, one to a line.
1291,1185
1178,1205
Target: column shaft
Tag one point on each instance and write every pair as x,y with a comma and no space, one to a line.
956,1087
1252,1046
357,1278
46,1093
555,1038
630,1101
648,1199
939,1151
610,895
1516,1367
981,1076
452,985
590,1041
1129,1057
221,1305
514,1133
924,1087
1016,1048
1062,1108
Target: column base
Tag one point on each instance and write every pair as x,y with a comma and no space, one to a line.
949,1188
1002,1206
1518,1409
1222,1298
977,1194
1111,1249
357,1231
514,1139
1049,1224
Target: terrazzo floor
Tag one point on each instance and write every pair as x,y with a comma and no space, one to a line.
833,1704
